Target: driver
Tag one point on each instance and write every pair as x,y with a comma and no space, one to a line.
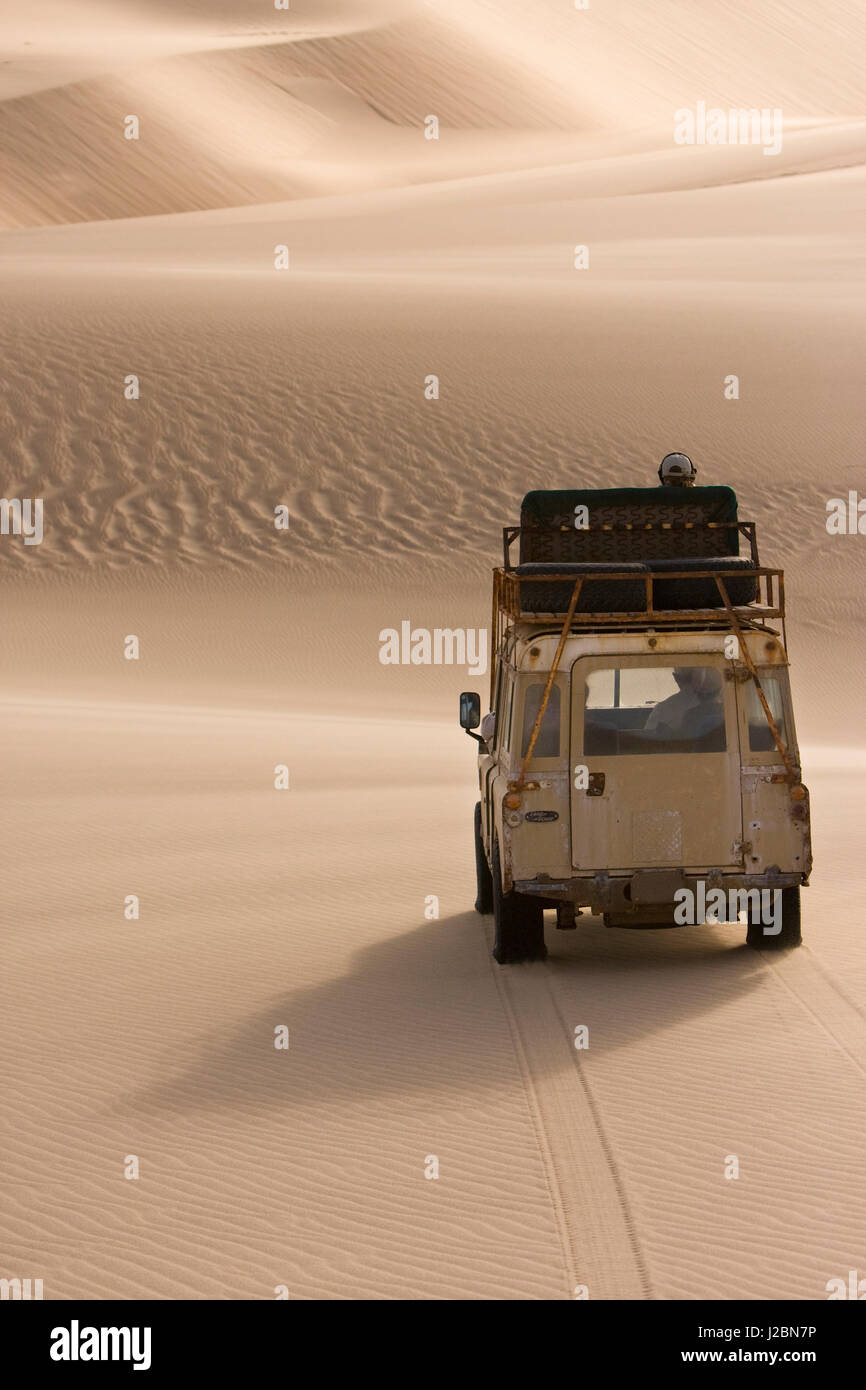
697,703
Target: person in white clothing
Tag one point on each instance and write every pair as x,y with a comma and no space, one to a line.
694,708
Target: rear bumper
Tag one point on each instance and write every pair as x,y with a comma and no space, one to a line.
622,893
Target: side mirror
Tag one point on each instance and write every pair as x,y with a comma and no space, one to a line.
470,710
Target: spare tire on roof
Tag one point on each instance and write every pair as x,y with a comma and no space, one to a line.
703,593
539,595
596,595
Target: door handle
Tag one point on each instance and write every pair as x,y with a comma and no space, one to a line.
595,785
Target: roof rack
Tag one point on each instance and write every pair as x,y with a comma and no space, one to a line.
510,597
509,605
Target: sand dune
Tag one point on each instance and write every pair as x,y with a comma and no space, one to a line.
72,43
254,393
224,119
409,258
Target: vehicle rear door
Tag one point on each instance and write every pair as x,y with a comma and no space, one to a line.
656,739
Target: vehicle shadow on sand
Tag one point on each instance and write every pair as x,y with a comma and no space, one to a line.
422,1012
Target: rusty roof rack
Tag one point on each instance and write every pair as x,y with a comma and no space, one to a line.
769,602
510,597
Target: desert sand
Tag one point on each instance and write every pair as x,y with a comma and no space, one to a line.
304,1168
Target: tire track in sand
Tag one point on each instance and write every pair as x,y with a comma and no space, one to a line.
599,1243
820,996
597,1230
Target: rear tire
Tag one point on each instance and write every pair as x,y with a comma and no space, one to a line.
790,934
518,922
483,876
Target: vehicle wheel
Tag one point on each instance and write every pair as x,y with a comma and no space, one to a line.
483,876
790,933
518,922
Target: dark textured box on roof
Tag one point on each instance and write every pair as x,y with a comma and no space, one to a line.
548,533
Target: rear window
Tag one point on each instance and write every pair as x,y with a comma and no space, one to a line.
654,709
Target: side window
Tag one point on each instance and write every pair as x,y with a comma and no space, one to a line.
497,694
760,734
504,724
547,743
